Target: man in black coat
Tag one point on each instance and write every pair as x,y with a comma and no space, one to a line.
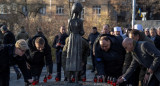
109,55
91,38
11,55
9,38
40,54
58,44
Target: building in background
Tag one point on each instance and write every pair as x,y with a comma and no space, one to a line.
51,14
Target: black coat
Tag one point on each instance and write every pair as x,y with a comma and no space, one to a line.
157,42
110,63
8,38
38,58
92,37
8,58
59,39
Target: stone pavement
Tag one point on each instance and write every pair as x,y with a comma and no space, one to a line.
52,82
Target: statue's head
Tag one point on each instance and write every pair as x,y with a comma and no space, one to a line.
77,7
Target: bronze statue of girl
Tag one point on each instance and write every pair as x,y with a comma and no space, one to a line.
74,51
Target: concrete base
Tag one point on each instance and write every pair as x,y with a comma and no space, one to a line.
73,84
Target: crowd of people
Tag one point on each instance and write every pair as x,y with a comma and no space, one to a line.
131,56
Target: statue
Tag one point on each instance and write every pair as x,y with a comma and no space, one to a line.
74,50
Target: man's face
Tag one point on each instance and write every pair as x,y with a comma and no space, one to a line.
19,51
112,33
152,33
134,37
94,30
39,46
105,45
158,32
105,29
62,30
117,33
128,47
146,32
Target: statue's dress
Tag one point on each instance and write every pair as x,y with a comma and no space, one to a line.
74,51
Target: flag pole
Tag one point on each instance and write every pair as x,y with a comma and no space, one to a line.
133,12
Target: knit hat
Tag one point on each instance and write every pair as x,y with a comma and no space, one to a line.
22,44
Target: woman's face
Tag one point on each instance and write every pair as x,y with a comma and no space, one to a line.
19,51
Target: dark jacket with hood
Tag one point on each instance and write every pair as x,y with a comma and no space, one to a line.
110,63
9,38
41,35
38,58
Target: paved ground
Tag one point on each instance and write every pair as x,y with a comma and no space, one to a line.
20,82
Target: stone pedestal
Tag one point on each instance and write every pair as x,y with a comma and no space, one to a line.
73,84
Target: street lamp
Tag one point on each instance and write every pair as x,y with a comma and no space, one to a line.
133,12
